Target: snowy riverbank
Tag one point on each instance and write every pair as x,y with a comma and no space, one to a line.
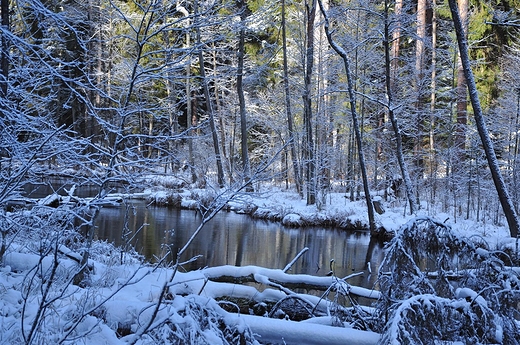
288,208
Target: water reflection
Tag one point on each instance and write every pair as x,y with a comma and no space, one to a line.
232,239
48,185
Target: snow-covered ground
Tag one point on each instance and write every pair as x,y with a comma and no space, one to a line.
119,302
290,209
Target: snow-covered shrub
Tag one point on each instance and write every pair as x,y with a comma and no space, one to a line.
424,318
439,287
204,198
171,182
198,320
267,213
165,199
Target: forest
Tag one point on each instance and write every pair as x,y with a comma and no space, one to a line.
389,104
245,92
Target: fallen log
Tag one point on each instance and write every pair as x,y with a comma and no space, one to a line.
276,277
306,332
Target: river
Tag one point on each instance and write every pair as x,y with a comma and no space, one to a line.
235,239
231,239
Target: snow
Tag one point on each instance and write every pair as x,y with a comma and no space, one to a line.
469,294
121,297
302,333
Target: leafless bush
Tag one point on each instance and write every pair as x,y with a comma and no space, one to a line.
440,287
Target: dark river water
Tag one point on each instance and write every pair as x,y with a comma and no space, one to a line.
234,239
230,239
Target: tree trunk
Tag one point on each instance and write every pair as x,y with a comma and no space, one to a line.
220,113
433,100
420,57
209,106
290,125
462,94
310,164
97,47
190,117
503,195
242,7
389,90
324,115
396,41
4,58
352,97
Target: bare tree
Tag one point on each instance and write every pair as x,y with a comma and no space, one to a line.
421,46
209,102
389,80
461,92
352,96
246,167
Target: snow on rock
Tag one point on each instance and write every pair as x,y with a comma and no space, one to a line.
292,219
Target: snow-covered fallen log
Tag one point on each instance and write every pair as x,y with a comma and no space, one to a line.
234,274
306,333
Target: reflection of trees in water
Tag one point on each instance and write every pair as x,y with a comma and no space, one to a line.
231,239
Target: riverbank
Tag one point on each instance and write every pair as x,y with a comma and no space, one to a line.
335,210
271,203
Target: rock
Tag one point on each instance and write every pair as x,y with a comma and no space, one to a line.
378,205
292,219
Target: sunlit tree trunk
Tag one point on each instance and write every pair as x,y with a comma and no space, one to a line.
246,168
420,85
191,115
433,99
462,93
396,41
150,134
290,124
